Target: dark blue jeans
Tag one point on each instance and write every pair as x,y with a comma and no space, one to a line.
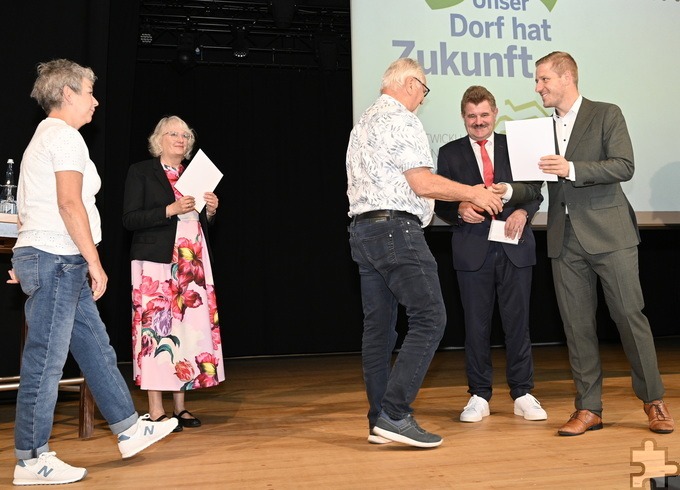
396,267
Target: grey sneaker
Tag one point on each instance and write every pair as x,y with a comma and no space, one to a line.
46,469
405,430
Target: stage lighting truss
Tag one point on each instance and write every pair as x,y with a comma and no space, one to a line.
313,34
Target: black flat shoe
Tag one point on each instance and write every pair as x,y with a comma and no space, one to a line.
163,417
193,422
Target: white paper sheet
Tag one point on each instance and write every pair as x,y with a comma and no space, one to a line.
528,141
497,233
200,176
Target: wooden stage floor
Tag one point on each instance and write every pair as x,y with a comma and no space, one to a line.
299,423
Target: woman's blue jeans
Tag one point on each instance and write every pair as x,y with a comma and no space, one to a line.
396,267
61,315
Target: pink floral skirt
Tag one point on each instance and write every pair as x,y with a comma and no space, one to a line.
176,341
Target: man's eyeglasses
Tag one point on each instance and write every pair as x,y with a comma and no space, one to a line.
427,90
175,134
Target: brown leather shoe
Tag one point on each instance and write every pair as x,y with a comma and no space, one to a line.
660,420
579,422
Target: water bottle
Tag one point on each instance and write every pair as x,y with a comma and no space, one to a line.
8,204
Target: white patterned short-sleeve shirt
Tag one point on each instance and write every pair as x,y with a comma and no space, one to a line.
387,141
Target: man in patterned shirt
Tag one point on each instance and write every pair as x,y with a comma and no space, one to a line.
391,191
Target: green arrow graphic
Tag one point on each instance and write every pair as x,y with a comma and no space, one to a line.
550,4
526,105
443,4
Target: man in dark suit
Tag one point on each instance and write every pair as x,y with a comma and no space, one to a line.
592,232
486,268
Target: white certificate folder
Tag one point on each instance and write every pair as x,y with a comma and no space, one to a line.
201,176
528,141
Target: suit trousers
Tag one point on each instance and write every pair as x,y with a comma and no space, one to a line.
575,274
478,290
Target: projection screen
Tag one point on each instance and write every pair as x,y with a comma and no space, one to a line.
626,52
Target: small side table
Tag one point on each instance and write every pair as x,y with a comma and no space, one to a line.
8,237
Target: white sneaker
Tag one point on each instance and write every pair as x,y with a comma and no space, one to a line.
143,434
530,408
46,469
476,409
376,439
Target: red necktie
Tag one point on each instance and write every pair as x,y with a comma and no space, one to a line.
486,161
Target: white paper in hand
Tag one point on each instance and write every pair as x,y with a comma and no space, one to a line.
528,141
497,233
201,176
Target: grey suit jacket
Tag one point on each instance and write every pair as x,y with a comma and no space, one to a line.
600,214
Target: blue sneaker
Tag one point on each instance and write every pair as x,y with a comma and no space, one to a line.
406,431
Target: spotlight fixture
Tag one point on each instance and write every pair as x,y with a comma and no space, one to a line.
241,46
145,34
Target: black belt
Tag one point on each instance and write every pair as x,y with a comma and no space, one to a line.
385,215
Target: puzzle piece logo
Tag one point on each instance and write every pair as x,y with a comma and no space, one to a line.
652,462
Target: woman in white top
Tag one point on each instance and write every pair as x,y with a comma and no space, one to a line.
56,262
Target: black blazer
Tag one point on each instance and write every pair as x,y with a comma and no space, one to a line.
470,242
147,193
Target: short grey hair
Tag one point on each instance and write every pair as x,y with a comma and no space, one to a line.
53,76
399,70
155,147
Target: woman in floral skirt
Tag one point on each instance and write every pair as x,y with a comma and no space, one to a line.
175,327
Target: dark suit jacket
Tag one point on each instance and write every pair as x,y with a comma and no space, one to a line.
470,242
600,214
147,193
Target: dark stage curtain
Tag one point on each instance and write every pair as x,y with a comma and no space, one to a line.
285,281
31,32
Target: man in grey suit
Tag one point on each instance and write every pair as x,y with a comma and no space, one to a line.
592,232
